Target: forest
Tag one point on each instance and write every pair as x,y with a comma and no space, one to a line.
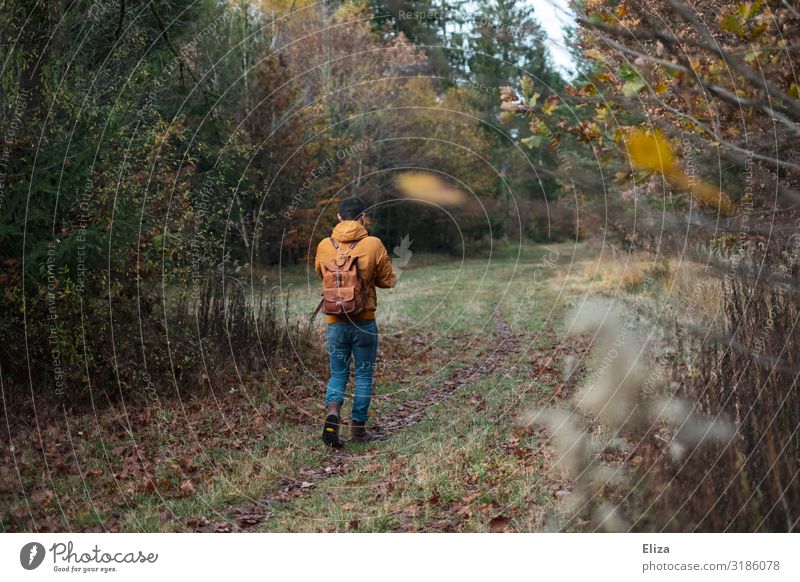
595,325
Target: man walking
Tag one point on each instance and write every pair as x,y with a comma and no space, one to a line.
353,334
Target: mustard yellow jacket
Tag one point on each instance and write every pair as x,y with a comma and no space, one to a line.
374,263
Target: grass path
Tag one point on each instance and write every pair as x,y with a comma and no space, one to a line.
407,414
465,348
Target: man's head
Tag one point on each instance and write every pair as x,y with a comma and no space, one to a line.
351,209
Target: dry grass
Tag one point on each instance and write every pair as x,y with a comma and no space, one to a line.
644,442
693,385
463,467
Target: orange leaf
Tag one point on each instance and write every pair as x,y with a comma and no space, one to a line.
498,524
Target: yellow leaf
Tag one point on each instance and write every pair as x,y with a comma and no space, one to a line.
662,88
430,188
550,108
702,191
538,127
526,84
649,150
594,54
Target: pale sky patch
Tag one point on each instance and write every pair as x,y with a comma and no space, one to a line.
554,15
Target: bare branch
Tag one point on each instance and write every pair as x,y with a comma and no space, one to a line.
712,88
791,9
791,105
118,31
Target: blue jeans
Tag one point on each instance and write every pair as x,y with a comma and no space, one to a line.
358,339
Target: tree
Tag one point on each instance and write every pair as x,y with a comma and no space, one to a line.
504,42
689,119
111,183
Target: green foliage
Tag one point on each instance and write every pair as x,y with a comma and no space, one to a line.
487,44
116,188
157,145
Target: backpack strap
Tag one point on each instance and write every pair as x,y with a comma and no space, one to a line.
336,246
343,259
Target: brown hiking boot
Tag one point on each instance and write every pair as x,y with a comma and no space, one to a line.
360,434
330,431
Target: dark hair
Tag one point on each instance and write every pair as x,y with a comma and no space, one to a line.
351,208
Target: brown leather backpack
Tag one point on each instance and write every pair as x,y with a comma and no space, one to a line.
342,287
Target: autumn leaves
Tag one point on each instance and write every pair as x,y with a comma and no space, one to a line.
647,151
650,151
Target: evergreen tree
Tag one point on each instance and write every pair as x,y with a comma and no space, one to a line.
505,41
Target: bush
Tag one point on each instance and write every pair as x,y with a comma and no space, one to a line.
704,438
752,376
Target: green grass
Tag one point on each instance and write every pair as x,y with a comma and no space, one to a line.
450,470
461,467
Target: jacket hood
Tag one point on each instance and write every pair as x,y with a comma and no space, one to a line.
349,231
